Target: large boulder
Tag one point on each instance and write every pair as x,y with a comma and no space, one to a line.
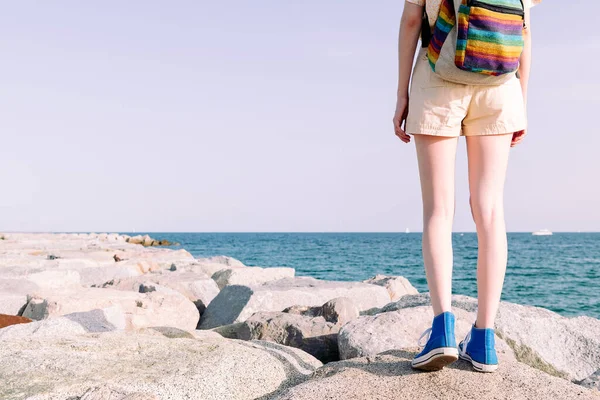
561,346
236,303
12,303
53,327
198,288
13,294
164,364
397,286
314,335
390,376
250,275
401,329
222,260
121,270
165,307
99,320
55,279
313,329
211,265
339,311
64,273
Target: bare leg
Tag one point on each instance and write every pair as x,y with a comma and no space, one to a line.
488,160
436,156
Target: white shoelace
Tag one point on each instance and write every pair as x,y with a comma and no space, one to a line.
463,349
426,333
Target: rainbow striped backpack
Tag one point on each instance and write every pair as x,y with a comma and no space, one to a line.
479,45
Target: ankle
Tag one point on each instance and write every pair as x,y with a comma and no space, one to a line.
435,315
479,325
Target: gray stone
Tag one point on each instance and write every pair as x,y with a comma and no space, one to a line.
250,275
389,376
591,382
393,330
313,335
236,303
561,346
340,311
128,363
397,286
312,329
308,311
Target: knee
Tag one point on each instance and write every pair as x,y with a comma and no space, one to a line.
442,212
486,212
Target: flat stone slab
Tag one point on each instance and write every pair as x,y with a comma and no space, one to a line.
389,376
155,362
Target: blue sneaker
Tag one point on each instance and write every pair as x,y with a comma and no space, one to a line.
479,348
440,349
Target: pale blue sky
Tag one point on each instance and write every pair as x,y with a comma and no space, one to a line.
260,116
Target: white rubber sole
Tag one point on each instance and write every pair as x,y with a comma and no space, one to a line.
436,359
478,366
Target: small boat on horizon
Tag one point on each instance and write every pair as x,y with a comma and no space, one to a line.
542,232
407,230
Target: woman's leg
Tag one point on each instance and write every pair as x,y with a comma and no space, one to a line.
488,160
436,157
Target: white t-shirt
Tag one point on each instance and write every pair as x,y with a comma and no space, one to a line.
433,7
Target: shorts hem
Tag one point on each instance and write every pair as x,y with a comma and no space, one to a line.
433,132
496,129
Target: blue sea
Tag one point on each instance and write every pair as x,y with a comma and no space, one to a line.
559,272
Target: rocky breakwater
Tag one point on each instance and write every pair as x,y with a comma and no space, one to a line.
97,316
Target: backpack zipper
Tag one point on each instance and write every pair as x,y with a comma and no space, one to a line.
500,9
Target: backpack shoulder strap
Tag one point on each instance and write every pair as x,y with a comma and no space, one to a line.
425,30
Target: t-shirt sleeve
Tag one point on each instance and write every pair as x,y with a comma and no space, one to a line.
422,2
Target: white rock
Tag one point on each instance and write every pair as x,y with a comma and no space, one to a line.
127,363
397,286
196,287
223,260
55,279
236,303
390,376
60,327
141,309
564,347
12,303
370,335
250,275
